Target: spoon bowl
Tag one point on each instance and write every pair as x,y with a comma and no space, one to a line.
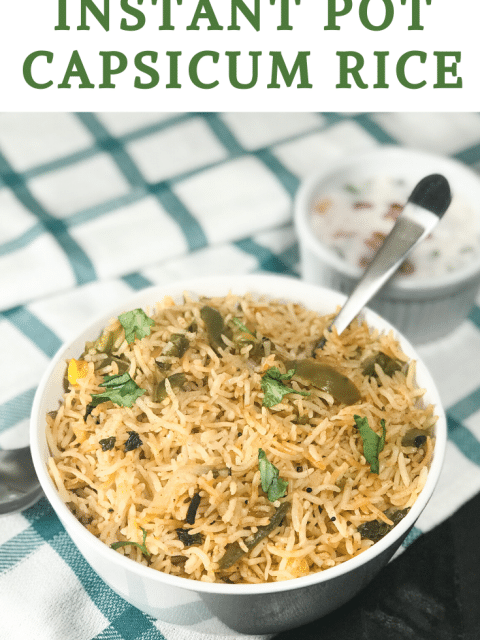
19,485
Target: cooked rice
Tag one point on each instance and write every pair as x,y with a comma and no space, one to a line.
205,438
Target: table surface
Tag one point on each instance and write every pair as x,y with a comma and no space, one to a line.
101,205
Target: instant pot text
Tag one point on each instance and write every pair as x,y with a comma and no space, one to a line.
241,68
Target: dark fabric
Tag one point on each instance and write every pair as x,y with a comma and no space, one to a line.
431,592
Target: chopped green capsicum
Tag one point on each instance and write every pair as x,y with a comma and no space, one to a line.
374,530
176,380
233,551
386,363
415,438
177,346
215,326
326,378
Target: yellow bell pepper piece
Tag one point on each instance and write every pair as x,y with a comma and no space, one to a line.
80,434
76,369
298,567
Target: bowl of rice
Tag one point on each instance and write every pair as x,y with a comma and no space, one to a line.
343,214
221,472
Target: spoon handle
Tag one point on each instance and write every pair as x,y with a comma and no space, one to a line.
409,230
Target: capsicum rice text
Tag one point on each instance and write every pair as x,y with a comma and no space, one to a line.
211,440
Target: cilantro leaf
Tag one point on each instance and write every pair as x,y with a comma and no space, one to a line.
372,443
273,486
238,323
120,389
124,543
273,387
136,324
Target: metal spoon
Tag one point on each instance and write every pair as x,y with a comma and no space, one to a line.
19,486
425,207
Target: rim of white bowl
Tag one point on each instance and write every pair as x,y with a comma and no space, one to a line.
260,284
454,171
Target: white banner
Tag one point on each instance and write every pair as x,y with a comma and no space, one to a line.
239,55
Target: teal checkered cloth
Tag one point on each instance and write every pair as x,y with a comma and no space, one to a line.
95,206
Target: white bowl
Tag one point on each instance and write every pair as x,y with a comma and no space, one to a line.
221,608
422,309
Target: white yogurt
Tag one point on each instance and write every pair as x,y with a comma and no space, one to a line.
353,220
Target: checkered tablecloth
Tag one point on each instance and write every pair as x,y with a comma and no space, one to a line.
94,206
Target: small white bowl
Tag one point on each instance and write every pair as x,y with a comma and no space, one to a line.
221,608
422,309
